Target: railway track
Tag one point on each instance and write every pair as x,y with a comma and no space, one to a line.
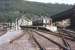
63,34
34,40
65,47
66,36
69,33
40,47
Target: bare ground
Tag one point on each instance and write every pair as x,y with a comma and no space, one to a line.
26,43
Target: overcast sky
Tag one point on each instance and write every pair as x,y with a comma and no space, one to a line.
56,1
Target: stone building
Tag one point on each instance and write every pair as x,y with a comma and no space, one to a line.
42,21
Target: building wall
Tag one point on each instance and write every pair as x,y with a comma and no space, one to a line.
42,21
24,22
64,23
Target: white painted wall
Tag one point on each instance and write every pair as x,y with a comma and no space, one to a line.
52,28
24,22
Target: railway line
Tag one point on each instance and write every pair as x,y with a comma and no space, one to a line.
69,32
40,47
66,36
40,40
64,46
61,39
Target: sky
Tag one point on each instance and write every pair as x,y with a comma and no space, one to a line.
56,1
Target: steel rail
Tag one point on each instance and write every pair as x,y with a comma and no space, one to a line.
59,45
41,48
57,34
36,41
66,44
64,41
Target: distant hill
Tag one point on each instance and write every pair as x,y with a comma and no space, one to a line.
10,9
44,9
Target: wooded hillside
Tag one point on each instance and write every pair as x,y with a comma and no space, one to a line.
11,9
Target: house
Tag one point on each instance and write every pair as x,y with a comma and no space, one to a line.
23,21
64,23
41,21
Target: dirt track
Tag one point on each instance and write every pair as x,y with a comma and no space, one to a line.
22,43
